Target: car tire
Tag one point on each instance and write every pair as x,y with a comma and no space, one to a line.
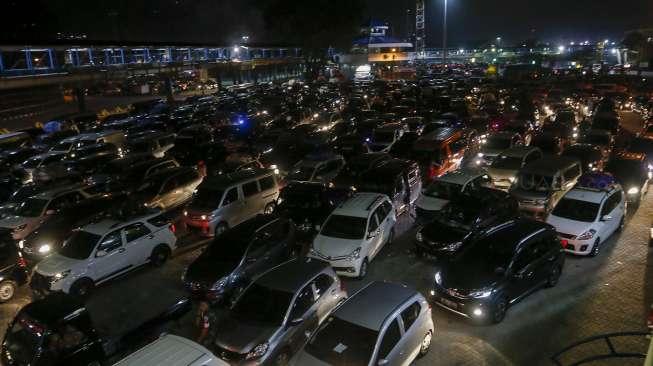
7,290
159,255
362,272
554,276
595,248
82,288
425,346
220,229
269,208
499,310
391,237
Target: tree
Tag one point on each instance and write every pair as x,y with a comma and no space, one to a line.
313,25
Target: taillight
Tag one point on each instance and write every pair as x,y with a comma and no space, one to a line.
22,262
433,172
173,228
564,243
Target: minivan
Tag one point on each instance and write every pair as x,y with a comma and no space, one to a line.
397,178
439,152
155,143
169,188
172,350
226,200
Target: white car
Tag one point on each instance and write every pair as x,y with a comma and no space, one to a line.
172,350
104,250
354,233
585,217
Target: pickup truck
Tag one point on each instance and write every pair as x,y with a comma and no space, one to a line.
60,330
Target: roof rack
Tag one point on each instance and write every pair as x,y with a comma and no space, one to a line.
597,182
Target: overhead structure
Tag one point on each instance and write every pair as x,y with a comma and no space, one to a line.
420,31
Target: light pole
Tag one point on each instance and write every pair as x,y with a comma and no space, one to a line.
444,35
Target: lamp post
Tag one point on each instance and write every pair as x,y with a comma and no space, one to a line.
444,35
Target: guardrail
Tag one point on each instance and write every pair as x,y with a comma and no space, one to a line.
612,351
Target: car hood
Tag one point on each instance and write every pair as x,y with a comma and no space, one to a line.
463,277
12,222
335,247
207,270
567,226
430,203
520,194
439,232
491,152
501,173
54,264
245,339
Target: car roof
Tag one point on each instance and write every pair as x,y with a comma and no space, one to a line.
52,308
302,270
462,176
372,305
518,151
393,126
515,231
549,165
225,180
587,195
171,350
359,205
105,225
391,167
51,193
440,134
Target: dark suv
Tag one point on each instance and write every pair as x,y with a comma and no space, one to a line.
233,259
465,217
500,268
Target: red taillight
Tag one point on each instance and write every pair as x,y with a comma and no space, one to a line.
173,228
564,243
433,172
22,262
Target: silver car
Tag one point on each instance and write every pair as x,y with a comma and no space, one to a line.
382,324
275,315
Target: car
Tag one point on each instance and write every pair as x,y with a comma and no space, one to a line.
13,270
493,145
381,324
397,178
354,233
466,216
589,214
350,146
151,142
169,188
500,268
590,156
504,168
226,200
386,135
442,190
237,256
103,250
351,174
632,172
316,168
440,152
601,138
172,350
548,143
276,314
540,185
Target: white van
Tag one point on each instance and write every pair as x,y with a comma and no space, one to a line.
171,350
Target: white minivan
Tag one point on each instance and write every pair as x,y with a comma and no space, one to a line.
171,350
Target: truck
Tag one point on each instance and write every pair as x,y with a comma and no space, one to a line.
61,330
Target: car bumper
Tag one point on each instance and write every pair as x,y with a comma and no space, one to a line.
533,211
343,267
577,247
202,227
476,309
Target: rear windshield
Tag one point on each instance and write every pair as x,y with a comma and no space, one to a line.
536,182
340,342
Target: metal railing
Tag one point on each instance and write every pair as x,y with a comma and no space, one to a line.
609,341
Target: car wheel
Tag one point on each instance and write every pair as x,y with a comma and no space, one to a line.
282,359
220,229
499,310
426,344
595,248
554,277
391,237
159,255
82,288
7,290
269,208
363,270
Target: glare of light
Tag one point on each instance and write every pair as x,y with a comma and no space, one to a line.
478,312
461,51
394,50
533,62
494,50
561,48
236,49
473,60
614,51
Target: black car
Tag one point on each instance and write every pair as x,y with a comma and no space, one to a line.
632,172
590,156
308,204
350,146
549,143
233,259
351,174
644,146
498,269
403,148
464,218
13,269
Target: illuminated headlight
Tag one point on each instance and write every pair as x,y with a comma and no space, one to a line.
589,234
45,248
316,115
355,254
258,351
480,155
574,135
512,179
633,190
21,244
60,276
477,312
650,167
438,277
353,188
185,213
481,294
276,171
575,128
274,166
419,237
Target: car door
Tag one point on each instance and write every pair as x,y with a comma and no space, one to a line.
610,209
139,241
168,192
110,259
269,191
231,207
302,319
256,260
374,236
413,333
326,295
251,200
389,348
522,272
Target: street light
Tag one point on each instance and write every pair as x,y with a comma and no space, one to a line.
444,35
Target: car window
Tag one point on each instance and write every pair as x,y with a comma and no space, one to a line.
230,197
572,173
412,176
525,256
611,203
266,183
390,339
410,314
111,241
386,207
257,247
303,302
250,189
135,231
322,283
374,224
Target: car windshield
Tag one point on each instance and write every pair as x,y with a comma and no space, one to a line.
62,146
384,136
339,342
442,190
301,199
345,227
31,207
489,253
302,173
260,304
576,210
497,143
507,162
428,156
535,182
230,247
79,245
207,197
24,339
602,140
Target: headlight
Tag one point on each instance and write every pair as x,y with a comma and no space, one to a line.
203,217
419,237
511,179
355,254
541,202
633,190
60,276
274,166
438,278
258,351
45,248
219,286
453,246
650,167
589,234
185,213
480,155
481,294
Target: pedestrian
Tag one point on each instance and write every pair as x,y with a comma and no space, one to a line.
202,321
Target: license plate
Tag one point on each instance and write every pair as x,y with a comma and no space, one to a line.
449,303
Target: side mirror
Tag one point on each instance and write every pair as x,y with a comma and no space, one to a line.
382,362
50,212
100,253
606,218
295,322
371,235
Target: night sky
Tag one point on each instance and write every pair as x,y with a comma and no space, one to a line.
223,21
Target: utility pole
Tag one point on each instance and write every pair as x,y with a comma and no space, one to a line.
420,31
444,35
